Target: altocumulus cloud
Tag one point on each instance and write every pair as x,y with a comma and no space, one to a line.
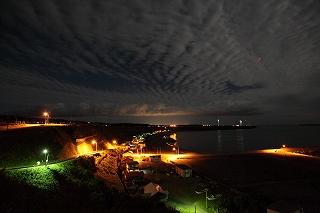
161,58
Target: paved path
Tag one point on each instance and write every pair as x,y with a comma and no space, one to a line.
107,168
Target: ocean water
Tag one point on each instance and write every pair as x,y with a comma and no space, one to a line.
242,140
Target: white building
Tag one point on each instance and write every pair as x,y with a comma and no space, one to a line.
155,158
183,170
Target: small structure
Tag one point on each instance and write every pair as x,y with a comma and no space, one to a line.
183,170
154,190
134,177
132,166
147,171
155,158
284,207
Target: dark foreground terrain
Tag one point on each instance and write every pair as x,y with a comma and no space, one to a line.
65,187
266,178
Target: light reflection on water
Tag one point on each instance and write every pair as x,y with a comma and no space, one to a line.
240,140
235,141
219,141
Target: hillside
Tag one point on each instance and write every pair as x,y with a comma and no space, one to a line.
23,147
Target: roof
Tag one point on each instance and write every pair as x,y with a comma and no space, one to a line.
284,207
153,188
182,166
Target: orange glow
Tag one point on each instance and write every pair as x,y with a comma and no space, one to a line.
282,152
45,114
93,142
164,157
283,146
114,141
110,146
173,125
84,148
173,136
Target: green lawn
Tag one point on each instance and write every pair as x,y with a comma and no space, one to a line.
42,177
69,185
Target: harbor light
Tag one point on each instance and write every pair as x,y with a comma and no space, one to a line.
46,116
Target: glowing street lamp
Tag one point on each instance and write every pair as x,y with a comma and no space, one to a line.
46,117
95,142
114,141
46,156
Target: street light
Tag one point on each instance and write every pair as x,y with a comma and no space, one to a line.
204,191
46,155
95,142
46,117
114,141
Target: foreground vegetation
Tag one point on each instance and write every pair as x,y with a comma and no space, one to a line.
65,186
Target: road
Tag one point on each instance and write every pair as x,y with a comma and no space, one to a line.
20,126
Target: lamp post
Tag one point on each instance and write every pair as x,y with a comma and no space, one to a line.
46,156
95,142
204,191
46,117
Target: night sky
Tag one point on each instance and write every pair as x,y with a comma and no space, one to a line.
162,61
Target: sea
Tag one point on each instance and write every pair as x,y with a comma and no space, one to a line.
244,140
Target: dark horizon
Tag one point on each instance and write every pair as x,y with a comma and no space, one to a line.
23,118
162,62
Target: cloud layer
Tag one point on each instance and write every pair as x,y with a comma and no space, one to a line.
255,59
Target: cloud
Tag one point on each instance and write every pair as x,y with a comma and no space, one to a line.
233,88
161,58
